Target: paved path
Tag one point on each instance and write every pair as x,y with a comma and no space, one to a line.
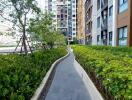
68,84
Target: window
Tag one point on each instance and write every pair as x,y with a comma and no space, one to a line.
73,6
110,38
61,16
73,29
122,32
74,24
74,33
58,16
98,38
98,4
123,5
73,20
73,15
111,11
98,22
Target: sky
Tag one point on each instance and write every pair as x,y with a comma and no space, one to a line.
41,3
5,40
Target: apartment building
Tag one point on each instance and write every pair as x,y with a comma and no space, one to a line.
81,21
104,22
72,17
124,22
64,16
111,22
88,21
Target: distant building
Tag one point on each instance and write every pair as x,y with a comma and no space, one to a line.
64,16
88,21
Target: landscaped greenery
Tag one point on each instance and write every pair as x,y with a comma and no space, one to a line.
111,66
21,75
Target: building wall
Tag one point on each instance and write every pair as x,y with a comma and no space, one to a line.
81,21
124,19
96,31
74,16
110,18
62,16
130,27
114,22
88,21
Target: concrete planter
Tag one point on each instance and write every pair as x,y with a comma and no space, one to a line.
45,84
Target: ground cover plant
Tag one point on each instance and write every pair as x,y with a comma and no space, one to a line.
109,67
20,75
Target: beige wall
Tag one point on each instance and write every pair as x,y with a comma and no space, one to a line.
81,20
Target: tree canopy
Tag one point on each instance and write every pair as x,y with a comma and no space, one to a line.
43,27
19,12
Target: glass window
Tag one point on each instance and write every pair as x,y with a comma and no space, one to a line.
110,38
123,5
73,29
98,39
74,33
98,22
122,36
111,11
98,4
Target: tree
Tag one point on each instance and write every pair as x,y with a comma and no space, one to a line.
19,12
42,26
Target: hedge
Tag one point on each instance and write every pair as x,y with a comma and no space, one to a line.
112,67
21,75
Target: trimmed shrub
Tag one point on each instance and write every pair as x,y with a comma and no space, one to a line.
21,75
112,67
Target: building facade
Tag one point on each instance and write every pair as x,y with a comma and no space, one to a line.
110,22
103,22
124,22
81,21
88,21
64,16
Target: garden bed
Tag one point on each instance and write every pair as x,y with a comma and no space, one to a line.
110,68
21,75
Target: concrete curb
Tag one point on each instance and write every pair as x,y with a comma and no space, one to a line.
39,90
94,93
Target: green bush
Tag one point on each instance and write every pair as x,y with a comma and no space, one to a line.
21,75
113,66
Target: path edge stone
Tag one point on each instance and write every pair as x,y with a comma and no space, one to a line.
39,90
93,91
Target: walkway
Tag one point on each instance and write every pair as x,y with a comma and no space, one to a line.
69,84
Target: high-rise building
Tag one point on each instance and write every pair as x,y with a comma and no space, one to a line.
81,21
64,16
74,17
102,22
88,21
110,22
